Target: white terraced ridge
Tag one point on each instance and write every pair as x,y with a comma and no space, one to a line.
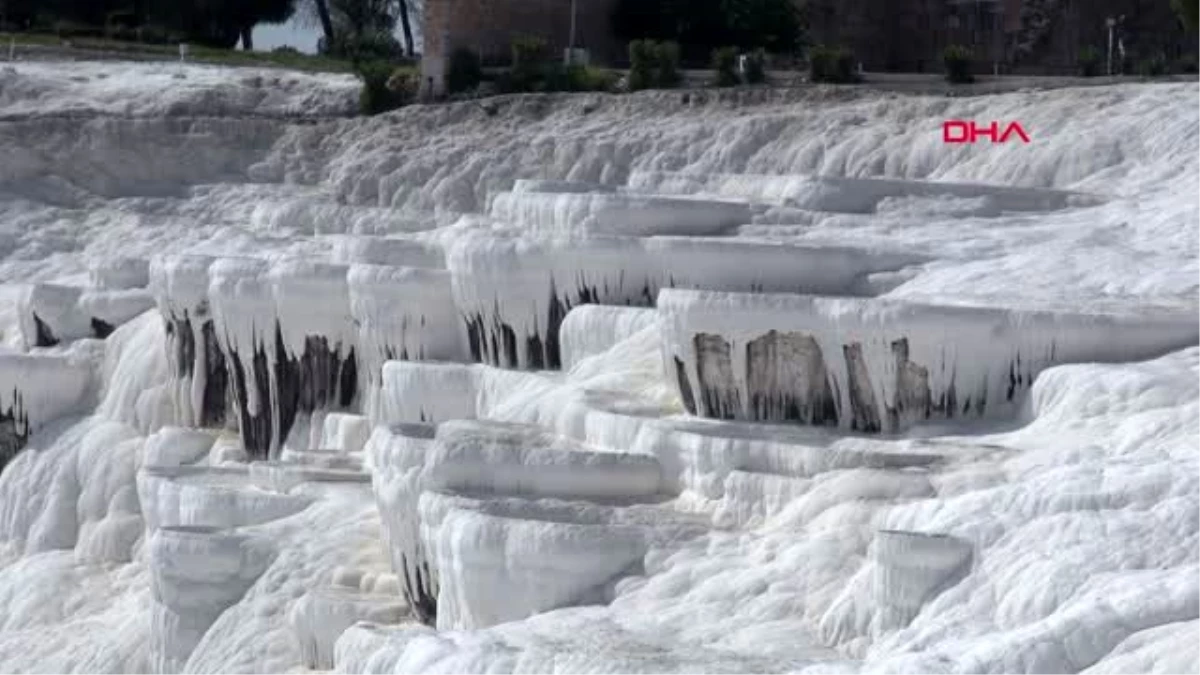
507,475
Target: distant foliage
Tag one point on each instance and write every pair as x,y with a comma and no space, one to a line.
1154,66
535,70
405,85
580,78
1187,64
363,48
725,62
385,87
667,55
835,65
957,60
530,59
701,26
465,71
642,64
653,65
1189,13
756,67
71,29
156,35
1089,61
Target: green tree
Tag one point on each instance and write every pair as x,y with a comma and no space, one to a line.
363,29
1189,13
217,23
700,26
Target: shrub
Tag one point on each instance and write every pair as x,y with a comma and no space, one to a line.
1127,64
667,59
153,35
363,48
405,85
121,33
72,29
756,67
957,60
579,78
725,62
286,50
378,94
642,64
1187,64
1155,66
465,72
835,65
653,64
1089,61
530,58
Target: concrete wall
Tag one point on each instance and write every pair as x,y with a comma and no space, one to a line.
488,27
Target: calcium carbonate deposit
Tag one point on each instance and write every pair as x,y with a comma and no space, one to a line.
757,381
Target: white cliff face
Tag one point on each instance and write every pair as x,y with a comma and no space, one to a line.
777,383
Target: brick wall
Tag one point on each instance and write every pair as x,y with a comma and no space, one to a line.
489,26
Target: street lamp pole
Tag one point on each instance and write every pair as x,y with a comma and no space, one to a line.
571,40
1111,22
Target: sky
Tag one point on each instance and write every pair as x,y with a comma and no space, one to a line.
296,34
292,33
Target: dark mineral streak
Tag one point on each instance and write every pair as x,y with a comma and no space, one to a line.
420,589
912,402
788,381
714,369
45,336
320,378
864,412
181,341
500,345
14,429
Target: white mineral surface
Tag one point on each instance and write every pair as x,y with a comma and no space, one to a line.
781,383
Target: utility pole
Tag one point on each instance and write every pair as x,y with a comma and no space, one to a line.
571,39
1111,22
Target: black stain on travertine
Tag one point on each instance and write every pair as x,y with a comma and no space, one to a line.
685,386
420,588
788,381
101,328
44,336
14,429
499,344
255,426
181,342
714,370
912,401
216,378
319,378
864,411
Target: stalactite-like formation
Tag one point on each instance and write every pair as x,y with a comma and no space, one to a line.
912,401
44,335
902,363
714,369
198,364
788,380
14,429
253,407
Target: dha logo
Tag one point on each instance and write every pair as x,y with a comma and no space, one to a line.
961,131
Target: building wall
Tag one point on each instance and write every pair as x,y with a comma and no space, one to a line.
1025,35
488,27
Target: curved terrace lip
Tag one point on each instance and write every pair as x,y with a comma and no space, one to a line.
196,530
910,533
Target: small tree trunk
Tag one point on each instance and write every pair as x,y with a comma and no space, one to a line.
406,25
248,38
326,22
